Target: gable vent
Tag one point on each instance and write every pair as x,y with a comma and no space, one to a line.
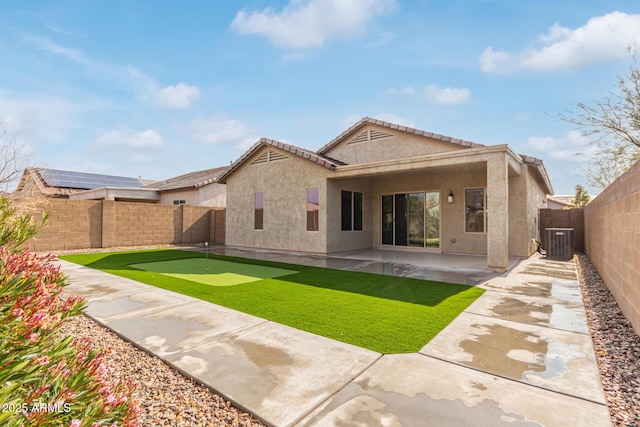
376,134
370,135
269,156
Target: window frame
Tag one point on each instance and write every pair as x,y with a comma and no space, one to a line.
354,216
484,210
313,215
258,212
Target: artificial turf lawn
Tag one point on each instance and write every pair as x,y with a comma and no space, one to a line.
386,314
213,272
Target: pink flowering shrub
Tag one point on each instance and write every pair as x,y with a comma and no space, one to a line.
45,380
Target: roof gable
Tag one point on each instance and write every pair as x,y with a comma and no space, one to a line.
308,155
381,134
189,180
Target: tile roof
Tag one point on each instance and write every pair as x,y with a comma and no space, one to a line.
319,159
368,120
189,180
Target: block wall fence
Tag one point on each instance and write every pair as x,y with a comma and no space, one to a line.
612,240
85,224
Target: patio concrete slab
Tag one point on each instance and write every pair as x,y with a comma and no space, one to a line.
274,371
123,304
557,360
415,390
168,330
91,284
535,286
463,269
550,312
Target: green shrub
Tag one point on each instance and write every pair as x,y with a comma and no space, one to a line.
45,380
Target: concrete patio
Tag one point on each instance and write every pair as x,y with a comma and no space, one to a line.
464,269
520,355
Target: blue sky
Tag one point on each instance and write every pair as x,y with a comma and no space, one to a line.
160,88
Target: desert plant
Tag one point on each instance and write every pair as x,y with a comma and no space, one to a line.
47,379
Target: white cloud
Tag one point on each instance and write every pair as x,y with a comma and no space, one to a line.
145,141
178,97
436,94
572,147
38,117
311,23
220,129
602,38
142,86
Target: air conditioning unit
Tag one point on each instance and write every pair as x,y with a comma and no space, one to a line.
559,244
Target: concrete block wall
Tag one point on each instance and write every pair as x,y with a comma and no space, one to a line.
71,225
84,224
612,240
143,224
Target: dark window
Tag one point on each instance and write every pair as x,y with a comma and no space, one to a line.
346,210
475,220
178,202
351,217
357,211
259,211
313,209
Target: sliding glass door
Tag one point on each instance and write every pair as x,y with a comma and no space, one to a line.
411,219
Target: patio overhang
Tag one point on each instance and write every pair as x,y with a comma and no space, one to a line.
467,157
499,162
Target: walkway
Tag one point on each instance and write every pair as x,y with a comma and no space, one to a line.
520,355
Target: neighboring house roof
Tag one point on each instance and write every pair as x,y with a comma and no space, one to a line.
319,159
55,182
189,180
566,201
368,120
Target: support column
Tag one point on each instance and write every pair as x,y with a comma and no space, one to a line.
108,223
498,212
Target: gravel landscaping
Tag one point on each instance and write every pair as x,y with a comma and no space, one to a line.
616,344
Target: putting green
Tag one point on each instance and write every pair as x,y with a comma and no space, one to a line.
212,271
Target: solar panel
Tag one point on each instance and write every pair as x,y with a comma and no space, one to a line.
86,181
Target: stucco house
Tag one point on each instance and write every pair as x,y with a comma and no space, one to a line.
381,185
200,188
560,202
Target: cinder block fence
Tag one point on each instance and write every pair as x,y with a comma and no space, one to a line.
612,240
84,224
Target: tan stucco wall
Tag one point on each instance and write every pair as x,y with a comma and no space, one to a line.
189,196
212,195
337,239
526,196
399,146
284,184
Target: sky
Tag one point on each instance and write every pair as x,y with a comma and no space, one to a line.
161,88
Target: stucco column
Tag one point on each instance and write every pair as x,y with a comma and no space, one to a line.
498,212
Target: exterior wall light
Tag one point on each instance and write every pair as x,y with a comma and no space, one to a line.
451,198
